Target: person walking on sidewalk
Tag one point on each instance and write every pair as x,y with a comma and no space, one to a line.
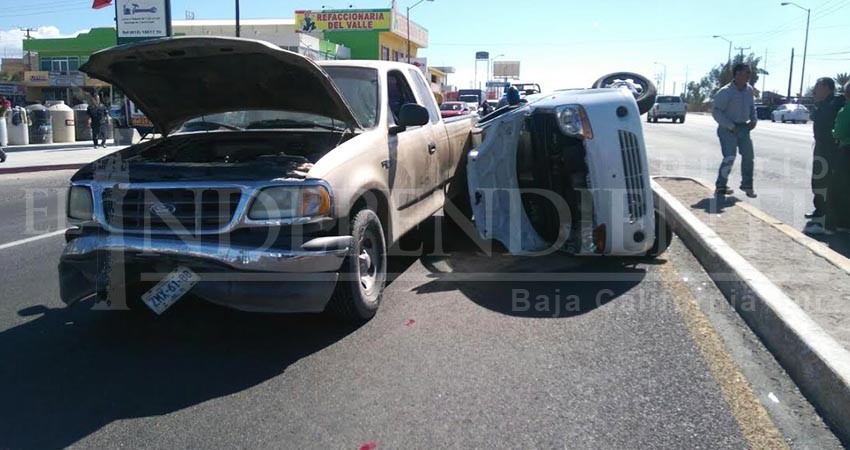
97,117
735,113
824,168
5,105
838,202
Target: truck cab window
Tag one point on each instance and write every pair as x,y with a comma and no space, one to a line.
398,94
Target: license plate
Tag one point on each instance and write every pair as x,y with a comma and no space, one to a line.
170,289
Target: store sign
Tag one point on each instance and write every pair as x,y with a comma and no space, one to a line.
343,20
142,19
37,78
506,69
422,64
418,35
137,118
12,89
73,78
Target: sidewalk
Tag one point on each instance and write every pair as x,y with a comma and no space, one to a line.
41,157
791,289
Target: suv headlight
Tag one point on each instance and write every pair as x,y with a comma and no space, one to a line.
288,202
80,203
573,121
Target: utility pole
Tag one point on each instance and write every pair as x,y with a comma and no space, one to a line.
685,86
237,19
742,51
790,75
764,78
29,54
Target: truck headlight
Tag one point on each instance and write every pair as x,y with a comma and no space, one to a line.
573,121
288,202
80,203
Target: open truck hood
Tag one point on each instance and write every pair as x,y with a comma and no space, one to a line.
172,80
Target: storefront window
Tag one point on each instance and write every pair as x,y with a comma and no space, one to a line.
385,54
61,64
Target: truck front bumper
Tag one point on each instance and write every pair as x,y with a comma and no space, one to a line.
247,278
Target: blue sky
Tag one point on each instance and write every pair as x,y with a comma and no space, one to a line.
560,44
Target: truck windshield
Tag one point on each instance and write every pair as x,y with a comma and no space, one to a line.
468,98
359,87
257,119
669,99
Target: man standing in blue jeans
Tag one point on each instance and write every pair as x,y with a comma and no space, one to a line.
735,113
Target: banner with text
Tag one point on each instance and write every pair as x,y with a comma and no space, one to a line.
343,20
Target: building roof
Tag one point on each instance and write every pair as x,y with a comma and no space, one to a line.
231,22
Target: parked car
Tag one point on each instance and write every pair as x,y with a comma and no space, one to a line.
453,109
586,148
790,112
762,111
277,193
668,107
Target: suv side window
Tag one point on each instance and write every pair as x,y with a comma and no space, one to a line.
424,92
398,94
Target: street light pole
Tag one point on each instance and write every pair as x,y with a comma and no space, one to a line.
408,25
664,78
729,54
805,45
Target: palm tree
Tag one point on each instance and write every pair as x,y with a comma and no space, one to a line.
842,79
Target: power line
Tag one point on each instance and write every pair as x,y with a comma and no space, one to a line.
41,13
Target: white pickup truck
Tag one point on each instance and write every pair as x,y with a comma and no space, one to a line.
278,186
668,107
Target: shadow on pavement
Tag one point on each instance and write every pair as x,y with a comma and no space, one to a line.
69,372
551,286
715,205
839,242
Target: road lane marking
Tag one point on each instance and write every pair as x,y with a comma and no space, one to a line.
32,239
756,426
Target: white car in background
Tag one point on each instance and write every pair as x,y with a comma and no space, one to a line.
790,112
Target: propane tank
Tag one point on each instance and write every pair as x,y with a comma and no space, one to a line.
62,117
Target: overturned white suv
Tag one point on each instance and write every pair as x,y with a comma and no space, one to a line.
568,171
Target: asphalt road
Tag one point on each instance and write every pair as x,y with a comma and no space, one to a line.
608,354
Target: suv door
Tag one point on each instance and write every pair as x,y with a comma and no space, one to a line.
414,165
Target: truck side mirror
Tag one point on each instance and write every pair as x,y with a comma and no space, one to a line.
411,115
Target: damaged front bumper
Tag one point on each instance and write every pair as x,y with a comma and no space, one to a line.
248,278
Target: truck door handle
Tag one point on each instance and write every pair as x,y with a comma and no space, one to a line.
432,148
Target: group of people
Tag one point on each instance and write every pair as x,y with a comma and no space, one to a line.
98,120
735,114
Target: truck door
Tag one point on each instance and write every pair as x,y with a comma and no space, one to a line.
443,153
413,176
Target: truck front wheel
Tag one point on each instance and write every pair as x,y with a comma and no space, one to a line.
364,271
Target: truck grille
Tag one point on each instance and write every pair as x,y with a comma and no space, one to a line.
177,210
633,168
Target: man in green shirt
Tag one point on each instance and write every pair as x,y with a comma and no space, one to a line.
839,198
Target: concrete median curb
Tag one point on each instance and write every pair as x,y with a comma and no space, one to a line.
819,248
816,362
25,169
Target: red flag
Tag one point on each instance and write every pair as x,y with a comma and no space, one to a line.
97,4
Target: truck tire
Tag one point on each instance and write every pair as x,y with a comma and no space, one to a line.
364,272
682,119
643,89
663,236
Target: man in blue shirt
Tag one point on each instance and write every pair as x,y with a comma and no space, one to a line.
735,113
